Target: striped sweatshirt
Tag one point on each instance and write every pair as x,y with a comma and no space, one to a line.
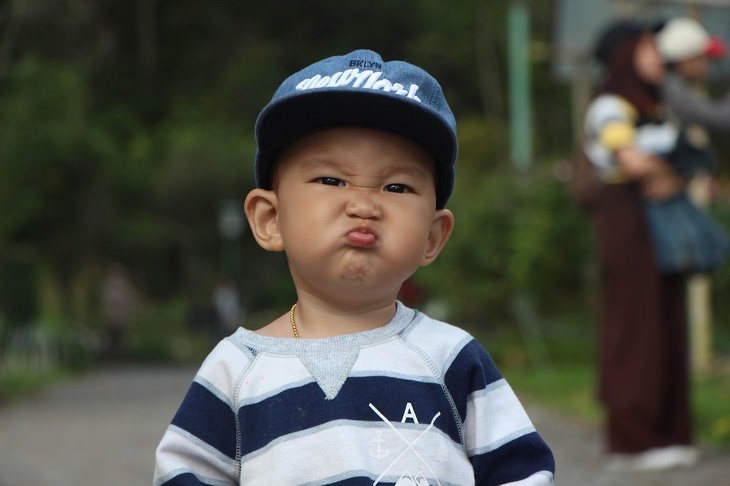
415,402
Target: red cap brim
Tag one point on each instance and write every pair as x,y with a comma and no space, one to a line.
716,47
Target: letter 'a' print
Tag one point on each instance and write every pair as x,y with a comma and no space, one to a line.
408,475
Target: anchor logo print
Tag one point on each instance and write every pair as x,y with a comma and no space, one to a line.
407,478
376,446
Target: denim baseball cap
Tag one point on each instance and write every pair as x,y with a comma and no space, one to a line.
360,89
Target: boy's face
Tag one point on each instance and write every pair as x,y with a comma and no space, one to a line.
696,68
355,210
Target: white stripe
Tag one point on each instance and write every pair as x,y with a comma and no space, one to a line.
494,416
442,342
181,451
542,478
271,375
178,472
330,451
221,368
393,359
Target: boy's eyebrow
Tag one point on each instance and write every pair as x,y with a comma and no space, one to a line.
413,169
319,163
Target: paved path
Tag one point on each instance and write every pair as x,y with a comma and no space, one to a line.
102,429
98,430
577,448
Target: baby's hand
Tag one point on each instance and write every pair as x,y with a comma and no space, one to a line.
662,184
658,180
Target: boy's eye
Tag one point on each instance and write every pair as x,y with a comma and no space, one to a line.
401,188
330,181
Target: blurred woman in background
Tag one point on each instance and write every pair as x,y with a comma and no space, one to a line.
644,369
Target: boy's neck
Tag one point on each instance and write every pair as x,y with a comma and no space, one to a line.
313,318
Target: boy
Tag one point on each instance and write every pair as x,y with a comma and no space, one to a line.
687,49
355,164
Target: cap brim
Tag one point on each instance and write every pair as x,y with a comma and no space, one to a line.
716,47
295,116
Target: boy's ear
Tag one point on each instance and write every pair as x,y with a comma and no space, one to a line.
261,207
441,228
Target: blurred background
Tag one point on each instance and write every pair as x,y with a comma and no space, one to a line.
126,148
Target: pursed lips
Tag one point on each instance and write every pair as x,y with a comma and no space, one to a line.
362,236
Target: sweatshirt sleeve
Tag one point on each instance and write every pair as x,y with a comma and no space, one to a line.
499,437
200,446
693,108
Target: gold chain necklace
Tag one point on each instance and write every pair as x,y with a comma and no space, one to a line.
293,321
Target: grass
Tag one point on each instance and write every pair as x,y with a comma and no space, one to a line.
567,389
559,373
22,382
38,354
712,407
35,355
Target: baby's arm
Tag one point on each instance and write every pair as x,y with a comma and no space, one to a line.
658,180
499,437
623,153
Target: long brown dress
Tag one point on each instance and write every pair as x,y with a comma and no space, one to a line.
644,380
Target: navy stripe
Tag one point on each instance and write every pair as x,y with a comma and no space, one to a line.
359,481
472,370
186,479
208,418
515,460
305,407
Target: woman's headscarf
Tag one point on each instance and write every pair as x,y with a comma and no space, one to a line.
616,50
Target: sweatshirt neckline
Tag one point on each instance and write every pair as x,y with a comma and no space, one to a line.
401,319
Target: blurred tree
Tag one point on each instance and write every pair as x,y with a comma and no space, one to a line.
203,167
123,124
513,235
49,166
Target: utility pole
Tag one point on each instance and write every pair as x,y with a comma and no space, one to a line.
520,103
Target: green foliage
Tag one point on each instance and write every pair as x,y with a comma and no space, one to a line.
41,133
720,209
18,290
515,235
159,334
51,165
550,242
711,396
124,124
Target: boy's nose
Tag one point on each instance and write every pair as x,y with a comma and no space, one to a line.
362,203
